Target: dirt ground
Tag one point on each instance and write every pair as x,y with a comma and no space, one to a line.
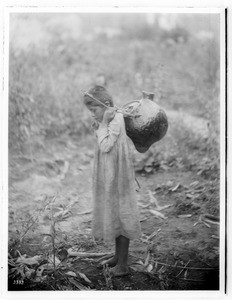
179,246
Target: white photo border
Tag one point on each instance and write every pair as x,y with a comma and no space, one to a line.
223,156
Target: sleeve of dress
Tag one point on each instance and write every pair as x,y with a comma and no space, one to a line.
108,135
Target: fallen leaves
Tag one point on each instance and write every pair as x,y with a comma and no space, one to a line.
157,214
212,219
162,271
84,212
186,208
185,216
155,206
149,268
147,258
206,219
153,234
35,260
141,266
193,191
81,275
173,189
71,273
78,285
154,203
39,274
62,213
183,269
153,200
169,187
39,269
53,261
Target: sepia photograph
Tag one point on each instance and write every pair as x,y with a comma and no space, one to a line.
115,150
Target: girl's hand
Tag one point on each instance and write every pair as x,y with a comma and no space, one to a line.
108,115
95,125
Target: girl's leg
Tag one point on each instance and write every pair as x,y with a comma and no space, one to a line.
111,262
122,246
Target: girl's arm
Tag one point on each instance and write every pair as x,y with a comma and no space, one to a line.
108,134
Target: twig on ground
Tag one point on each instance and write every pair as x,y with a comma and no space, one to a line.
147,258
144,219
186,279
215,237
189,279
140,258
212,218
151,236
86,254
105,257
158,214
160,270
84,212
185,216
144,205
182,269
211,221
201,221
139,186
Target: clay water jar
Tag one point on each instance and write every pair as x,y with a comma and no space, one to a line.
147,123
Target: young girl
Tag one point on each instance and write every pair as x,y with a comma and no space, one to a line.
115,211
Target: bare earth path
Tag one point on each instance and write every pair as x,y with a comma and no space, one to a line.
172,201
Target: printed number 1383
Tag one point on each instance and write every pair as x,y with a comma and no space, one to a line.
17,281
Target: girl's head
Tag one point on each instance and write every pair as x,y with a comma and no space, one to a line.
101,94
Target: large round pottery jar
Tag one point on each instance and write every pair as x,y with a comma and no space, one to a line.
147,122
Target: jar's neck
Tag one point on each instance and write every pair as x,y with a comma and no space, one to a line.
147,95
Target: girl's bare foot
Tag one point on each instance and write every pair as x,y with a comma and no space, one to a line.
111,262
119,270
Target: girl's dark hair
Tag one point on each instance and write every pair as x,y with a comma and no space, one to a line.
100,93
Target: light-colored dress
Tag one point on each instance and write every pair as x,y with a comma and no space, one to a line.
115,210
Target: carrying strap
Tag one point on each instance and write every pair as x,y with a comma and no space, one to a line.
120,110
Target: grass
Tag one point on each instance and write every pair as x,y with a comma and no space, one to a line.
45,97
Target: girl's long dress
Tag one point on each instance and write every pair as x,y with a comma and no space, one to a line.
115,210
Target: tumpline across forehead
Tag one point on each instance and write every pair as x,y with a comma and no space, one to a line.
99,93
